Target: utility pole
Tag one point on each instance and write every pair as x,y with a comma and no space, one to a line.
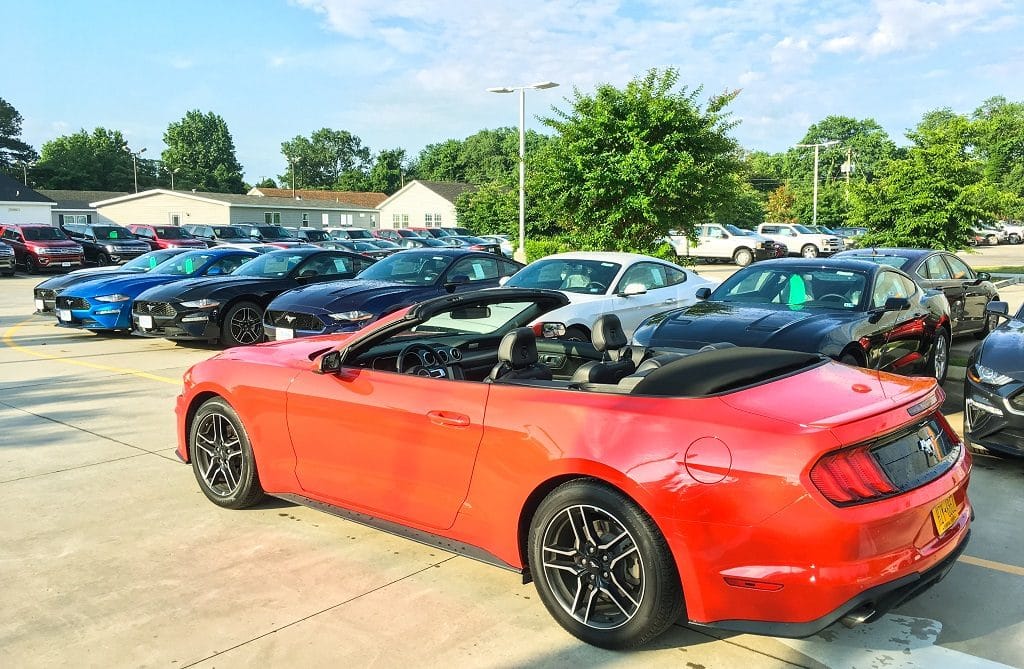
817,146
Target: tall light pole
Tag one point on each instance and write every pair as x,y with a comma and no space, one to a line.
24,170
172,173
831,142
520,253
291,165
135,163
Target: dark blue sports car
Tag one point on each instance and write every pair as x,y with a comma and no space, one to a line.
106,303
392,283
994,387
855,311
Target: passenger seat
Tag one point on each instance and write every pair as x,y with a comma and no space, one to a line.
517,359
617,358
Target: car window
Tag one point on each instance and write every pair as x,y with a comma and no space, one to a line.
934,268
648,275
889,284
227,265
477,320
144,232
326,265
573,275
417,269
476,269
770,229
109,232
958,267
795,287
273,265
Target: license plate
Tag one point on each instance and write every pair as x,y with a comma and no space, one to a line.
64,314
284,333
39,305
65,264
146,322
945,514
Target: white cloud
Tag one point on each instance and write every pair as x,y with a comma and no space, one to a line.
791,51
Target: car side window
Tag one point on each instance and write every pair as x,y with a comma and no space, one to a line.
227,265
673,276
934,268
360,264
769,229
716,232
647,275
889,284
507,268
959,268
476,269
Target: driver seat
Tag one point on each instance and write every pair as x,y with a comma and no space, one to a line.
616,358
517,359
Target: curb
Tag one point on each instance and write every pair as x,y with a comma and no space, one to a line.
956,373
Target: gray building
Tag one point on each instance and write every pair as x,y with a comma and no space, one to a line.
74,206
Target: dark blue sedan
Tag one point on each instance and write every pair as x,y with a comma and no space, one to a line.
392,283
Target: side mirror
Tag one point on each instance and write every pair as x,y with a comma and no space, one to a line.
503,280
998,308
703,293
633,289
330,363
984,276
896,304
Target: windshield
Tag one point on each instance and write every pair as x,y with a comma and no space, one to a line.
110,232
415,269
171,232
736,231
43,234
274,232
270,265
803,229
892,261
230,232
316,235
359,233
364,246
419,242
148,261
589,277
478,319
384,243
185,264
407,233
795,287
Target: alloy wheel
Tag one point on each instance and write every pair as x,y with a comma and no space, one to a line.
218,452
593,566
246,325
940,357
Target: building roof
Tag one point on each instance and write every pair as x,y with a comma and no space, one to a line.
449,190
358,198
234,200
15,191
79,199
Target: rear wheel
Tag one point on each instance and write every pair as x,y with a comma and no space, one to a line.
222,457
809,251
938,359
992,240
242,325
602,567
991,321
743,257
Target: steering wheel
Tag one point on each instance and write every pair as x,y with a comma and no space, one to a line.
831,296
596,287
413,360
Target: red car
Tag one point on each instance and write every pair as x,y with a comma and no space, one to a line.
166,237
42,247
755,490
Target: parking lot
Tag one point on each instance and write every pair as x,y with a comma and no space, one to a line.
111,556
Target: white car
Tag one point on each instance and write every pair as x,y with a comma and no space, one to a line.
629,285
503,240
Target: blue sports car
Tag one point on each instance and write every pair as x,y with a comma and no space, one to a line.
106,303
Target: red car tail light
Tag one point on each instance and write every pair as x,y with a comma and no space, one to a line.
851,476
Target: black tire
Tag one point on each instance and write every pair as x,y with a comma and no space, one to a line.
32,265
636,570
809,251
992,240
938,358
743,257
222,457
1014,238
576,333
102,259
11,273
242,325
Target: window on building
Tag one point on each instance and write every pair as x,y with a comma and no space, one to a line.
396,220
175,219
305,220
346,219
437,220
405,220
428,220
272,217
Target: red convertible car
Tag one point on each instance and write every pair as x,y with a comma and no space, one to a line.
746,489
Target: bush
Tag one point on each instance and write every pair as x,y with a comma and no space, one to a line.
545,246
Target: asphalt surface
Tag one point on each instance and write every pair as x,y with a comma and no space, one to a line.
110,555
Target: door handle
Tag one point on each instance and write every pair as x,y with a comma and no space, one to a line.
449,418
670,300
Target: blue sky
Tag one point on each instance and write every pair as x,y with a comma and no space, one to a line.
407,73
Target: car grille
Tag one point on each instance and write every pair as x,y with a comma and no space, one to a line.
77,303
44,294
6,251
154,308
295,320
918,455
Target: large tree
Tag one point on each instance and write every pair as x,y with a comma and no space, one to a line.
332,159
387,173
200,147
88,161
483,157
998,131
13,151
631,163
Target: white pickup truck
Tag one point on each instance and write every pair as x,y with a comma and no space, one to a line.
801,240
723,242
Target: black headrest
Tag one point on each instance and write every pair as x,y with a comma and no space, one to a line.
608,334
518,348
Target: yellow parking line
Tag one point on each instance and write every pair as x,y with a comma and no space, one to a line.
989,564
8,340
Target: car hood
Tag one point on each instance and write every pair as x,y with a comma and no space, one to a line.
1003,349
53,243
296,353
204,286
772,326
81,276
348,294
132,284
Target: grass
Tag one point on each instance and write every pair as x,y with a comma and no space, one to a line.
1002,269
957,362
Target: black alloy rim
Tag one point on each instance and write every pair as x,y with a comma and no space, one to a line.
246,325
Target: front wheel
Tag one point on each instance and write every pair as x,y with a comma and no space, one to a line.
938,360
242,325
102,259
809,251
222,457
32,265
743,257
992,240
602,567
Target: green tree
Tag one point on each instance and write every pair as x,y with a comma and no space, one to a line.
200,147
631,163
13,151
745,209
485,156
266,182
998,131
781,205
765,171
87,161
386,175
333,159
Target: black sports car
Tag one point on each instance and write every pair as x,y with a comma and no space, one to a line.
230,308
45,294
394,282
968,292
994,387
857,312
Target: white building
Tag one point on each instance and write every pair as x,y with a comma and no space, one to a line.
423,204
20,205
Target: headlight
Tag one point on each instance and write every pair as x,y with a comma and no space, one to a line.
205,303
116,297
354,316
988,376
110,247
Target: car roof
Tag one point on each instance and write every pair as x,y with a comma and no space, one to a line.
821,263
606,256
445,251
893,251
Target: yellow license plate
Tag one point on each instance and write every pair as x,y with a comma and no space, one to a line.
945,514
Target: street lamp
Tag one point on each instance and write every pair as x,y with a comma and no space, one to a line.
171,172
135,163
291,165
831,142
520,253
24,170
